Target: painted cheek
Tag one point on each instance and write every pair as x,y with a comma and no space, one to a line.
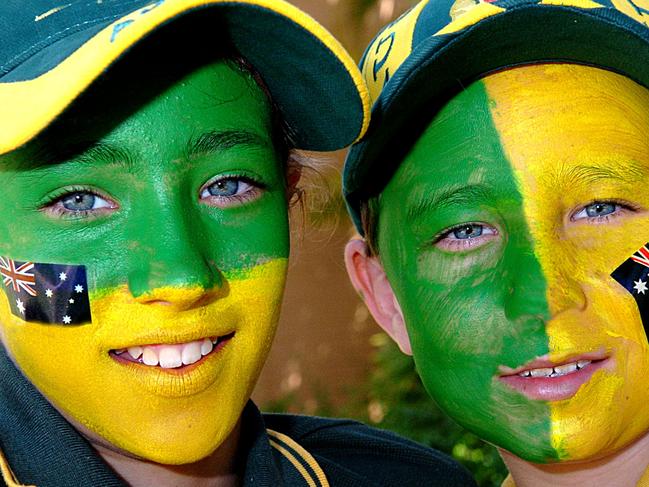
459,337
145,410
608,320
464,322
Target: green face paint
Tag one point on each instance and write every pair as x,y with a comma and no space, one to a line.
216,130
458,304
173,196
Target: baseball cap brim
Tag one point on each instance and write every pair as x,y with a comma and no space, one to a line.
311,78
440,66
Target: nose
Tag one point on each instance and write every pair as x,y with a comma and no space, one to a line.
526,286
542,281
180,297
171,261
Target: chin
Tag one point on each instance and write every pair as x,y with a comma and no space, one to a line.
176,451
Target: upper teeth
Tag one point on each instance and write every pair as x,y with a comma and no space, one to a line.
555,371
171,356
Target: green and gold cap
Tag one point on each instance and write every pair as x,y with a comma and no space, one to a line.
52,50
426,56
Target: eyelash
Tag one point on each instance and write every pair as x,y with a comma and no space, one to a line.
622,207
50,206
221,201
459,245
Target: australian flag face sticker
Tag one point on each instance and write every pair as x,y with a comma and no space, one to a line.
633,274
56,294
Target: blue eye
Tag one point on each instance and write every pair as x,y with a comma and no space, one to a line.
225,187
600,209
471,230
466,236
230,191
80,201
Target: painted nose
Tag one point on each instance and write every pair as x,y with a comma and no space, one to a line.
525,287
172,267
180,297
542,284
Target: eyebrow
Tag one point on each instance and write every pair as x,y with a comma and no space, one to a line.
589,174
84,152
222,140
87,152
455,196
102,151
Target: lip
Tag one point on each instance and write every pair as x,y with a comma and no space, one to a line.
181,381
554,388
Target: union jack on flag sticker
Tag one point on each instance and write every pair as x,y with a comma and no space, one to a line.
20,278
54,294
633,275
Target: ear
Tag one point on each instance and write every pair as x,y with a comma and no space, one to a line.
369,279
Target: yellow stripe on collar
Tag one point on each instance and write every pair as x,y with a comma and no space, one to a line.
284,444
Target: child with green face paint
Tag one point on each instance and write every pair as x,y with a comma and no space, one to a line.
501,193
144,245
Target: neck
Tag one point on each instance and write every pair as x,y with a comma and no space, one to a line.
623,468
217,470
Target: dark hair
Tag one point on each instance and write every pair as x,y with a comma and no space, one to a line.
369,213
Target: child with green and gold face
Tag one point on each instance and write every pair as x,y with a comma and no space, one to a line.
501,243
172,193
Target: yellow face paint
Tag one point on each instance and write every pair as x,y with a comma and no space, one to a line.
165,415
574,136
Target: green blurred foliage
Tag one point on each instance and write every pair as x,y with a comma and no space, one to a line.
394,399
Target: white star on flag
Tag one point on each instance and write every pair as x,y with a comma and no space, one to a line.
21,306
63,276
71,301
78,288
67,320
49,293
640,286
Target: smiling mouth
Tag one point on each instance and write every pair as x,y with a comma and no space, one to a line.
172,356
556,371
542,380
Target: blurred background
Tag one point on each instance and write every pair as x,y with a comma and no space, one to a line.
329,357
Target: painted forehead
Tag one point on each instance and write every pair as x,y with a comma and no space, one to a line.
545,124
576,114
210,91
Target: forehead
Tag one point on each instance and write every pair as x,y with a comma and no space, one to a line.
551,118
555,122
